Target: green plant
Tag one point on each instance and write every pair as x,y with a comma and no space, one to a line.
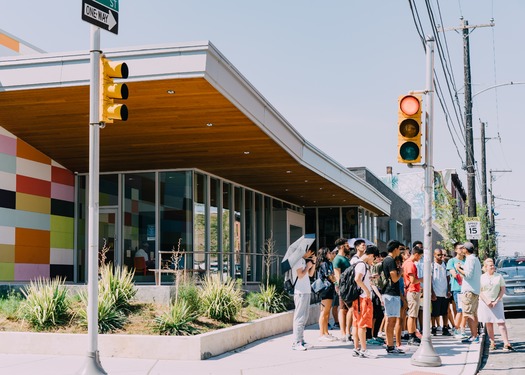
268,299
189,292
117,285
221,301
109,317
177,321
9,305
46,304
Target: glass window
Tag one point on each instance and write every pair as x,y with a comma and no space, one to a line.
350,222
329,226
199,222
227,249
108,192
238,233
176,212
139,229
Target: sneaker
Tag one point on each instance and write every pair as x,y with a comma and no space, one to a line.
434,331
367,354
299,346
306,345
382,340
508,348
471,340
336,325
327,338
374,341
492,345
346,338
356,353
394,350
414,341
405,337
446,332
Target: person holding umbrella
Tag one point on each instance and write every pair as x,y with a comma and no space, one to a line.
302,270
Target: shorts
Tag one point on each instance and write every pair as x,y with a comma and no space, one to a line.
414,300
328,293
392,306
439,307
469,304
457,299
363,312
335,302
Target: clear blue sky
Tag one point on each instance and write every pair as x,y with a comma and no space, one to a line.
334,70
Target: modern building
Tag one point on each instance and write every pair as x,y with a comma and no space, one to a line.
396,226
204,165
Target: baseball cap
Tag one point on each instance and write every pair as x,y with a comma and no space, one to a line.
469,246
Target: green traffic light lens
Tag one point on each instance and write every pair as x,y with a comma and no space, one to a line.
409,151
409,128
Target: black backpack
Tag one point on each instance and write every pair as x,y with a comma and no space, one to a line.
348,288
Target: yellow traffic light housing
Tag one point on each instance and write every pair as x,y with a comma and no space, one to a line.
409,129
109,91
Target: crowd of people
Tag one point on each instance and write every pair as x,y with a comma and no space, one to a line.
389,310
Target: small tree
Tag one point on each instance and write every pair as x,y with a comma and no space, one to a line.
174,263
269,256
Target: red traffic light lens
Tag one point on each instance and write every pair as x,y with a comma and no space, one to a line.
409,151
409,128
409,105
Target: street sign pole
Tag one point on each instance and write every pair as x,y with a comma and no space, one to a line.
425,355
92,364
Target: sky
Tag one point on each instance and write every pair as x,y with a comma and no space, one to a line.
335,69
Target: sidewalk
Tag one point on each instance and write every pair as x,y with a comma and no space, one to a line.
272,355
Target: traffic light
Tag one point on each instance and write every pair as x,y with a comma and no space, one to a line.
409,129
109,90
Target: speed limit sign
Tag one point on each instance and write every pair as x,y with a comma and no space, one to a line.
473,228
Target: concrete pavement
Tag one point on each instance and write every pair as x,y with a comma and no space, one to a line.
272,355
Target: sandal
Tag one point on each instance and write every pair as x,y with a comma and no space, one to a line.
492,345
508,348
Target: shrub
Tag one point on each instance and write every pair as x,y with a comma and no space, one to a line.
177,321
268,299
9,305
117,285
221,301
116,290
189,292
46,304
109,317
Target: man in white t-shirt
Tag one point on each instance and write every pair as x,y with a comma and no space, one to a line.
301,273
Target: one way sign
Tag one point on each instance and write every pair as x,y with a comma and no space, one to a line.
101,13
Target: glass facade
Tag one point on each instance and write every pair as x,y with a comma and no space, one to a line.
214,225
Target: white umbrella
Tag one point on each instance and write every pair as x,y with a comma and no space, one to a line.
296,251
367,242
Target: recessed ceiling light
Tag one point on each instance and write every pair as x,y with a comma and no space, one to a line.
320,188
305,180
288,171
209,124
246,152
171,92
285,189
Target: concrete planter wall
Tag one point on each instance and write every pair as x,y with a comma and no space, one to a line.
197,347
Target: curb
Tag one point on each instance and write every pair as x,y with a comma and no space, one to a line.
196,347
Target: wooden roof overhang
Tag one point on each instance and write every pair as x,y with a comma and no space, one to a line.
188,108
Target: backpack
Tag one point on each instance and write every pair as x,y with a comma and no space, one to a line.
348,288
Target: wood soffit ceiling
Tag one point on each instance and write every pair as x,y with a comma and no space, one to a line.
167,131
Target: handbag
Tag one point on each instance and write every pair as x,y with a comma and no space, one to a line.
320,285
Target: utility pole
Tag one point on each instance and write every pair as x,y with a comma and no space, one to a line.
492,208
469,138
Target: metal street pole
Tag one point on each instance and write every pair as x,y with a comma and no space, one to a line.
92,364
425,355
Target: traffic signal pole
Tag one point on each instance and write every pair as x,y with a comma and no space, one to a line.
92,364
425,355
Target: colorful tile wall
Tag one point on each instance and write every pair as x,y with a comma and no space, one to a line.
36,213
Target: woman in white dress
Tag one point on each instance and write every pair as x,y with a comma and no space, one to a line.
490,308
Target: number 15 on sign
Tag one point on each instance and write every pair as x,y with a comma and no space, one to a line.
473,228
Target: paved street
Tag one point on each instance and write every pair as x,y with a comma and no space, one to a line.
499,362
